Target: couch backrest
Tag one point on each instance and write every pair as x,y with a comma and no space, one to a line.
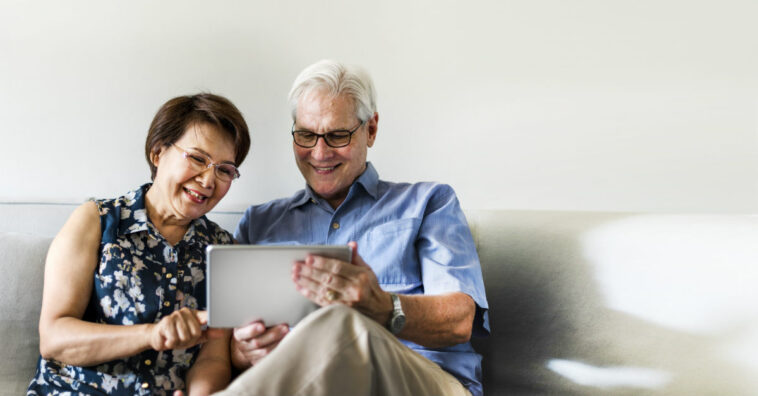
581,303
46,219
22,259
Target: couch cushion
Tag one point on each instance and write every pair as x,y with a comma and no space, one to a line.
22,258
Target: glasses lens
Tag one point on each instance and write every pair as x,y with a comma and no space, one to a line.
338,138
226,172
305,139
197,161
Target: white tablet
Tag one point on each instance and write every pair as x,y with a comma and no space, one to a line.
247,283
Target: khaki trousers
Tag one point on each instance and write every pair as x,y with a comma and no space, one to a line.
337,351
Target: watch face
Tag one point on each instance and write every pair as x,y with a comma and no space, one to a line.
397,323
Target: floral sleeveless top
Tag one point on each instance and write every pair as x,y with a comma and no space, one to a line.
140,279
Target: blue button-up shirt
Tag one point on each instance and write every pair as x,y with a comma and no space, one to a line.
414,236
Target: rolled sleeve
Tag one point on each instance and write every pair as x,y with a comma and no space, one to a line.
447,254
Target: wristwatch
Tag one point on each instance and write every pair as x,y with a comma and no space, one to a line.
397,320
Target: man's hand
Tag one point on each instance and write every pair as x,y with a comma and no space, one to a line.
254,341
328,281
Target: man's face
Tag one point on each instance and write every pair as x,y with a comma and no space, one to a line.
331,171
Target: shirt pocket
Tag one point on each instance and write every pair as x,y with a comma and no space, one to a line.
390,250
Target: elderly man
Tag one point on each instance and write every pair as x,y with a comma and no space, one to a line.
398,319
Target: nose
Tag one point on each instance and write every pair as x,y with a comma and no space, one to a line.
207,177
321,150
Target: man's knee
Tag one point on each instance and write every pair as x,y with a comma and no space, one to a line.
339,318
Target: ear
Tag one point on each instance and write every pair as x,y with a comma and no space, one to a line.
155,156
373,127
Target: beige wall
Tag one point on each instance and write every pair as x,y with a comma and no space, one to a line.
546,104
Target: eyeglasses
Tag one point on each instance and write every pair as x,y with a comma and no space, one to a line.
335,139
201,162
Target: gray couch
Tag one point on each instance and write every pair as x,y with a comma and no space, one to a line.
582,303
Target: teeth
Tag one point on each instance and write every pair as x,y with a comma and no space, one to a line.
325,169
194,194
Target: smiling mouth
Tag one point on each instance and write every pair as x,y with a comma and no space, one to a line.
325,169
195,196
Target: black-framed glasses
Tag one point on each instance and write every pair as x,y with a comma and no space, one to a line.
201,162
335,139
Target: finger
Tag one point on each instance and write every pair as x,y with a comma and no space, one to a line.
258,354
309,289
307,286
357,259
181,325
334,266
250,331
159,343
274,334
193,325
353,250
268,349
324,277
178,393
201,316
297,268
316,291
327,264
168,333
271,336
304,268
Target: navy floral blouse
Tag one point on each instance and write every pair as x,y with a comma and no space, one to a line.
140,279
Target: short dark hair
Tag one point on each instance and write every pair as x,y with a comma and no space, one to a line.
178,114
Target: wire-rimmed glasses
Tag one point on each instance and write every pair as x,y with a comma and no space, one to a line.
201,162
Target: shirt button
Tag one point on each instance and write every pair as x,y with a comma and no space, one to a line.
313,200
148,362
335,225
166,304
145,385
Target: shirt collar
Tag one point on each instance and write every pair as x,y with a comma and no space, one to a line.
369,180
304,197
133,215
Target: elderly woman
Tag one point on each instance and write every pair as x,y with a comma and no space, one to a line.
125,277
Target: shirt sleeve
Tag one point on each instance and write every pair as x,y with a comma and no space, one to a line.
447,253
241,234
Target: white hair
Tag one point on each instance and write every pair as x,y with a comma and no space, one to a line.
336,79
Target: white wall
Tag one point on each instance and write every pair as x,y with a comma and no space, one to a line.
645,105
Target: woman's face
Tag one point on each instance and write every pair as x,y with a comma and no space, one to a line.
185,193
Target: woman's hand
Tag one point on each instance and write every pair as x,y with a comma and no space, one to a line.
182,329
